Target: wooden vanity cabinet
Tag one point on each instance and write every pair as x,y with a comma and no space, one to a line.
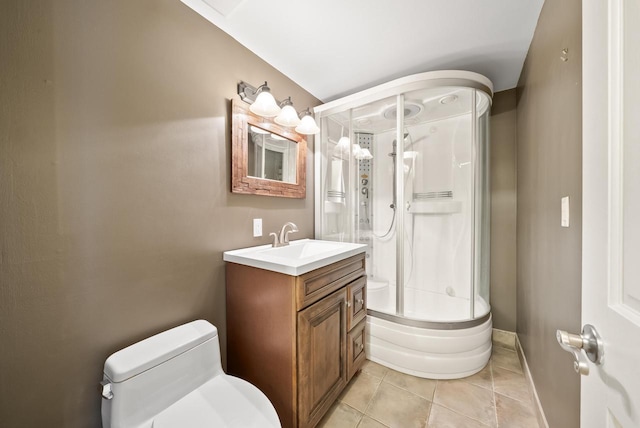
299,339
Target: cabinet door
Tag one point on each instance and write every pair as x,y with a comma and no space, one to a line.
357,301
322,359
355,349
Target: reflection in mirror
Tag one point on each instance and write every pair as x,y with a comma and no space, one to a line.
271,156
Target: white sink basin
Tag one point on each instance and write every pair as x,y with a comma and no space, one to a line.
299,257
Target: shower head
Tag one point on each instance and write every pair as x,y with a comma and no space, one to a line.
406,134
411,109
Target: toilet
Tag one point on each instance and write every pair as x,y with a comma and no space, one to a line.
175,379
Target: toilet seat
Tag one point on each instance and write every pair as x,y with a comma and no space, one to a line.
223,402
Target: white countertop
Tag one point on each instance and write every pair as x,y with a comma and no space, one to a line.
300,257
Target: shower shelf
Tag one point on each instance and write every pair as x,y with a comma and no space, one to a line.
435,207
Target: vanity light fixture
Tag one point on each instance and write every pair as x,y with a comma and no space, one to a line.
307,125
262,102
288,115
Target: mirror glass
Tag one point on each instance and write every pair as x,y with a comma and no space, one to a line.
271,156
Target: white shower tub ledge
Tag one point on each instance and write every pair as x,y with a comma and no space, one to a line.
429,353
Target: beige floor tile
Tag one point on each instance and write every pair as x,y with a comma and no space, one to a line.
374,369
511,384
340,416
482,378
399,400
419,386
360,391
367,422
441,417
514,413
467,399
506,359
398,408
504,339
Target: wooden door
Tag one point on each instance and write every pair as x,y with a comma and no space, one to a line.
322,356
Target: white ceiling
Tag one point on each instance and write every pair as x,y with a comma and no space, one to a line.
334,48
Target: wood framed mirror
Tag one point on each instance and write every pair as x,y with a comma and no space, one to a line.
266,158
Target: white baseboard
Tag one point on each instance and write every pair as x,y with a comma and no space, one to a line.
542,420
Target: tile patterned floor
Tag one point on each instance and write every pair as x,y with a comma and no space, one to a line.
497,396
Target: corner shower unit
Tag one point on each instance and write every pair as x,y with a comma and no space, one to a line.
404,168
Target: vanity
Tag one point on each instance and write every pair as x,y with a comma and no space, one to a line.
296,323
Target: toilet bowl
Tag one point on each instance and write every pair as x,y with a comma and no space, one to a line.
175,379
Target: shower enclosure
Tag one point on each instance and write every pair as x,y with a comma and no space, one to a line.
404,168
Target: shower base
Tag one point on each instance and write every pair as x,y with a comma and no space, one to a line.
448,349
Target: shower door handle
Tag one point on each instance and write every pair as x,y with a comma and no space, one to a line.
589,342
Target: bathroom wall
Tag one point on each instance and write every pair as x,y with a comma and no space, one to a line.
549,153
114,190
503,210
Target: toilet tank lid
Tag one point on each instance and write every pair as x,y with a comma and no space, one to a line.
157,349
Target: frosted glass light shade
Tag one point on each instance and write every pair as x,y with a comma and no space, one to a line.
343,147
343,144
307,126
288,116
258,130
277,137
265,105
364,154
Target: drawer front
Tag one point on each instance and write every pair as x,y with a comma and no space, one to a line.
319,283
357,301
355,349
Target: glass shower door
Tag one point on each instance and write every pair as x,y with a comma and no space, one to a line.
438,205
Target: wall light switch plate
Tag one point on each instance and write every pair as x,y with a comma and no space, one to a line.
564,218
257,227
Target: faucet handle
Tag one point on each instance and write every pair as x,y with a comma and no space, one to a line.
275,239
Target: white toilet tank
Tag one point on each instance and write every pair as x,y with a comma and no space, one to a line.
158,381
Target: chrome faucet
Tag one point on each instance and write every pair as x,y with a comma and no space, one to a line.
284,235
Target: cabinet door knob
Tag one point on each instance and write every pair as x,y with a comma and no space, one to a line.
360,301
348,304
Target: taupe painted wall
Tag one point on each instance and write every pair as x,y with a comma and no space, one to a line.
549,146
503,210
114,190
